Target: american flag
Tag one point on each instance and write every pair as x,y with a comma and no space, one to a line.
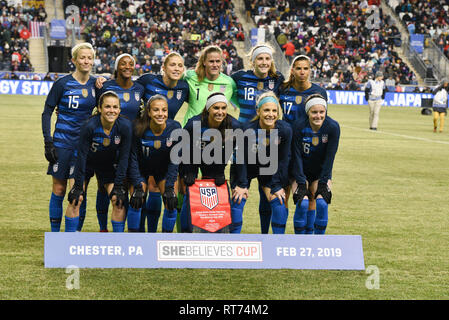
35,28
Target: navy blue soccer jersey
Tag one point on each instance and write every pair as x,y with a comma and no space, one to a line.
130,99
199,148
75,102
249,87
151,154
258,145
293,102
153,84
313,153
101,151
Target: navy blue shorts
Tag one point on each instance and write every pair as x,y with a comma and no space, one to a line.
65,167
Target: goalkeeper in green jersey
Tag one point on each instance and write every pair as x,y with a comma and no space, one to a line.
206,79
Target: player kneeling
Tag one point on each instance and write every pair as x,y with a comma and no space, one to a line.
104,148
314,145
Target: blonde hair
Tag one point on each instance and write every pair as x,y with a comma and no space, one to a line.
82,45
272,72
168,57
200,69
264,95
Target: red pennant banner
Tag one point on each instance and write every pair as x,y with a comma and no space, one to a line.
209,205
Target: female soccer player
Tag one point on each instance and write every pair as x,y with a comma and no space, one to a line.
104,149
263,76
272,185
152,144
207,78
314,145
215,115
171,85
131,94
295,90
74,96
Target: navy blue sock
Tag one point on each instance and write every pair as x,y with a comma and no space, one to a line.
237,216
184,218
55,212
279,216
169,220
82,215
310,221
118,226
264,213
133,217
321,216
300,217
102,206
71,224
154,206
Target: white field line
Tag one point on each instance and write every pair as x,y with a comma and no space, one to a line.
397,135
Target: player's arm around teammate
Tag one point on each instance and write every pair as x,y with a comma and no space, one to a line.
152,145
251,83
74,97
314,146
131,94
104,148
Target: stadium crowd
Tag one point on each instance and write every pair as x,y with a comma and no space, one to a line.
150,29
428,18
14,35
344,50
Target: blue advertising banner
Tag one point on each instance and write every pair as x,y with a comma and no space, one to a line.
417,42
203,250
392,99
57,29
41,88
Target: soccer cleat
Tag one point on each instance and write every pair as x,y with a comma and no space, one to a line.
105,230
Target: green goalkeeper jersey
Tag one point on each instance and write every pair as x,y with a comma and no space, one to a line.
199,91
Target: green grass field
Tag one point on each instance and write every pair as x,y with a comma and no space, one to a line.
389,186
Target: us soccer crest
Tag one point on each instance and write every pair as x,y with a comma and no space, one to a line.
209,197
271,84
178,94
136,96
117,139
169,142
324,138
170,94
126,96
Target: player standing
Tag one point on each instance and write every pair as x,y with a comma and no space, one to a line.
297,88
206,79
314,145
263,76
74,96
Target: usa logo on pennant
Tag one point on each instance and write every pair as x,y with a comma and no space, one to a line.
209,197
